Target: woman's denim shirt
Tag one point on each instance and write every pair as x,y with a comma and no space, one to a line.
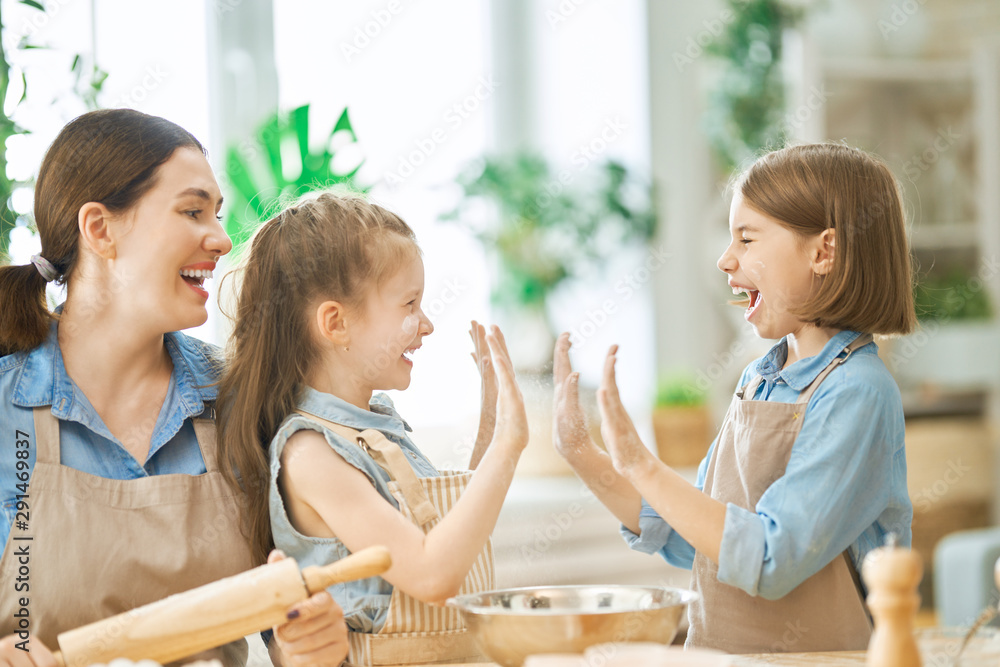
366,601
38,377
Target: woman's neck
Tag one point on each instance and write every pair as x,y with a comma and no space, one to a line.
807,342
108,355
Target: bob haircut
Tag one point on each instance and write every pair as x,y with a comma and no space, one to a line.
814,187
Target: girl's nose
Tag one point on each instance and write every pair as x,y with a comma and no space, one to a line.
726,263
426,326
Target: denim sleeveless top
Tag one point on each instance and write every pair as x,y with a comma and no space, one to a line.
366,601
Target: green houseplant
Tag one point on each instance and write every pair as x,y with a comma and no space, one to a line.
88,81
746,105
682,422
278,164
542,227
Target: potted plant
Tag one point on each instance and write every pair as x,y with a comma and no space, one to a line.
682,422
541,227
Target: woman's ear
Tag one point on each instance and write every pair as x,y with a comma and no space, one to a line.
331,322
824,251
94,220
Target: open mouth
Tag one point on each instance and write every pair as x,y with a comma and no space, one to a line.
195,278
752,299
408,354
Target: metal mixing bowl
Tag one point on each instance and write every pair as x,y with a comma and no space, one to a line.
509,625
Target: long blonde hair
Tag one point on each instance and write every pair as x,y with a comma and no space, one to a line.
330,247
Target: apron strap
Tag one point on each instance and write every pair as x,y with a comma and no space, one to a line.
857,586
205,433
748,390
857,343
46,435
390,457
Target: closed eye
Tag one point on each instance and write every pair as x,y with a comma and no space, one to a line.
745,241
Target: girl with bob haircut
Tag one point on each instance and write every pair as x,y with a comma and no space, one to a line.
808,472
113,479
328,313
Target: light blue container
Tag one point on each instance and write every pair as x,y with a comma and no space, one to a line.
963,575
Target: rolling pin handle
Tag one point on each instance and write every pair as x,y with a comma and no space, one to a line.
361,565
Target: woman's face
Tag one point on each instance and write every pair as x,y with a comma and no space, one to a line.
169,245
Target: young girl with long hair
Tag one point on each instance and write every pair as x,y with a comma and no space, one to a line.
808,473
328,313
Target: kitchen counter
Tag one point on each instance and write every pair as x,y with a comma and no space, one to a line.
827,659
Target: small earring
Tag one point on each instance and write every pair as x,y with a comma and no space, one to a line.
346,349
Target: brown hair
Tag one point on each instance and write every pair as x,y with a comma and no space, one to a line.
327,247
109,156
815,187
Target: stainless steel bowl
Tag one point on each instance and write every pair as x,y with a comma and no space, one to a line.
509,625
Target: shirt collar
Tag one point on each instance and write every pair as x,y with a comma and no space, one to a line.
800,375
42,379
381,415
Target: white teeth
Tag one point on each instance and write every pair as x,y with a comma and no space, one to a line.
201,274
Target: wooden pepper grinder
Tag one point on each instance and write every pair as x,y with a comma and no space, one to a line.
892,575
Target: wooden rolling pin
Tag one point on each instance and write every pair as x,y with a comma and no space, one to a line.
211,615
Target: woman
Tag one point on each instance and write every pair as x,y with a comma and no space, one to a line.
111,489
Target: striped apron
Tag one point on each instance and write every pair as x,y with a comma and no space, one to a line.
416,632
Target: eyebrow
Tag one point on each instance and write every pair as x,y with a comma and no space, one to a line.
201,194
746,228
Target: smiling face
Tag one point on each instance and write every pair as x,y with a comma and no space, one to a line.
170,243
774,266
391,328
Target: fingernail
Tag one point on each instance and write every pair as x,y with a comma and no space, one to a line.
293,614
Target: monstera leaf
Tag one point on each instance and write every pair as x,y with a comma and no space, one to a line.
278,165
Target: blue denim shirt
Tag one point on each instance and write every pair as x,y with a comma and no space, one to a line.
365,602
844,486
38,378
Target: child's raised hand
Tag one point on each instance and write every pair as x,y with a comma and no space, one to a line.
628,453
511,420
489,389
570,424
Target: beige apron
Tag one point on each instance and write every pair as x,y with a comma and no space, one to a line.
416,632
98,547
825,612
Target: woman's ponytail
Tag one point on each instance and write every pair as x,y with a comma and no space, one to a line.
24,314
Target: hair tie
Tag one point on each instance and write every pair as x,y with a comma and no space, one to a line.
44,267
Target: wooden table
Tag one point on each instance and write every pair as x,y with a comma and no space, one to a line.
827,659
